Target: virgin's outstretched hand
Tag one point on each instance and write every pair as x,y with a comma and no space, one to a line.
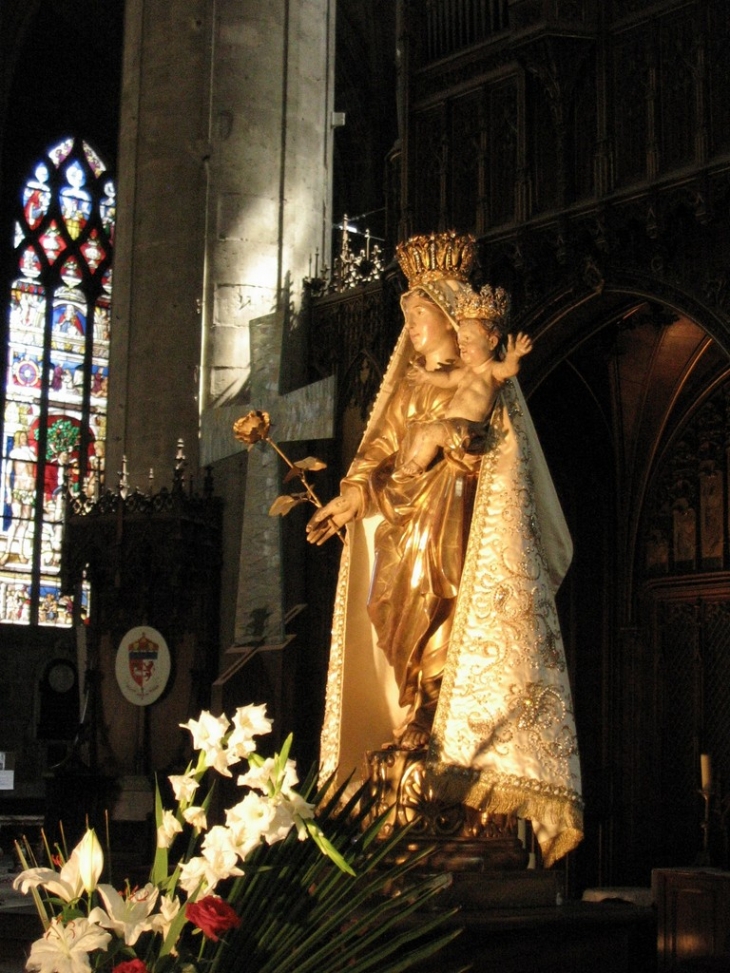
335,514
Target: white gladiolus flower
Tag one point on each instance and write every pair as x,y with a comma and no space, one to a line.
127,916
208,731
248,722
301,810
197,875
219,850
252,719
169,827
161,921
217,759
195,816
254,813
281,823
248,821
263,778
184,786
66,948
201,874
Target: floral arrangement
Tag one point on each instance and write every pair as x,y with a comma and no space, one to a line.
267,891
90,925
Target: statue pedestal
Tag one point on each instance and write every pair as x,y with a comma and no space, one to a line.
482,852
465,840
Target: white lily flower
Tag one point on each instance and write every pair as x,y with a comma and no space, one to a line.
169,827
66,948
196,817
56,884
90,860
184,786
80,873
126,916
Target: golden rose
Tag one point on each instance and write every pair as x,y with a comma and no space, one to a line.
253,428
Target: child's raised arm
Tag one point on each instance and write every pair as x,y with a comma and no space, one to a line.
518,346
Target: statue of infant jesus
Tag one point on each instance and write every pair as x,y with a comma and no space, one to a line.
485,363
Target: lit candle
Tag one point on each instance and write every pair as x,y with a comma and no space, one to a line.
706,771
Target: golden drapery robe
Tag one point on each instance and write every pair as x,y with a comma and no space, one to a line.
503,738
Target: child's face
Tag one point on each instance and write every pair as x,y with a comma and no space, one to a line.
475,344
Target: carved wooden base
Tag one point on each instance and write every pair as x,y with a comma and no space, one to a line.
465,839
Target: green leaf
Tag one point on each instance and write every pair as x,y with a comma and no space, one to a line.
37,898
158,873
326,847
174,931
302,912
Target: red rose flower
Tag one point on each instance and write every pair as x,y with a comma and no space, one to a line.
212,916
131,966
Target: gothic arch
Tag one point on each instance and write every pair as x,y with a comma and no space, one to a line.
652,354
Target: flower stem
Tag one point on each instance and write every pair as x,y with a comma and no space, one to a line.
313,498
300,473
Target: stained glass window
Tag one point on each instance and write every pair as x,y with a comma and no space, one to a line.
57,368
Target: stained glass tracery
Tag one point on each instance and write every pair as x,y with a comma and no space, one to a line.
57,369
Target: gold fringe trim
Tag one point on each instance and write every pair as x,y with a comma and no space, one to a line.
330,737
560,845
557,807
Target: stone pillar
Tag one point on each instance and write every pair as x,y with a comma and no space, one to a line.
160,246
224,193
269,204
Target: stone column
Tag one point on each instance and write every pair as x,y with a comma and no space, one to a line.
269,192
224,193
160,245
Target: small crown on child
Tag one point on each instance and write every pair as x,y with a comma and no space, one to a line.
436,256
490,304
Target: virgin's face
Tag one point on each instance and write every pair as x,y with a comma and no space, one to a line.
428,326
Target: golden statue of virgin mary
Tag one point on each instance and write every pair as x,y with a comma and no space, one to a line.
445,634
